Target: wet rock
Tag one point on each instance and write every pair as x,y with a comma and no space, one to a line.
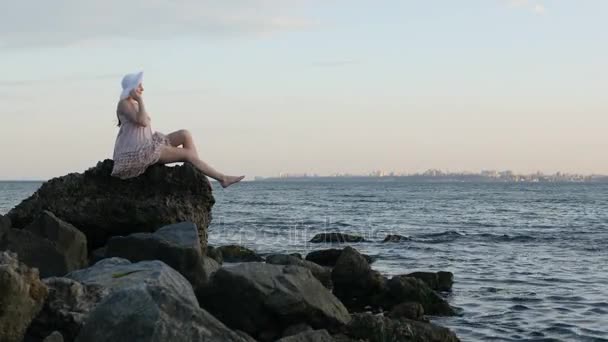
409,310
263,300
236,253
407,289
439,281
396,238
215,254
329,257
377,328
176,245
297,255
67,306
336,238
309,336
53,246
146,301
22,295
355,283
102,206
5,225
323,274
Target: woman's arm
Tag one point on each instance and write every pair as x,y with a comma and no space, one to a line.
139,117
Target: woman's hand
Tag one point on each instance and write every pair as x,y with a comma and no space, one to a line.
135,96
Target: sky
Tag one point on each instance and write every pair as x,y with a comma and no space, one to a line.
317,86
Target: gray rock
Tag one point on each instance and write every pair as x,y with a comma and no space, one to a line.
5,225
35,251
55,336
102,206
147,301
309,336
396,238
409,310
439,281
377,328
215,254
355,283
71,242
22,295
407,289
336,238
177,245
236,253
323,274
263,300
296,329
97,255
66,308
329,257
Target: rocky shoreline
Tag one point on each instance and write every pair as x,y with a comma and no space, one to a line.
92,258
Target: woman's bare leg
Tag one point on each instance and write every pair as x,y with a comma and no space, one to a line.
183,137
170,154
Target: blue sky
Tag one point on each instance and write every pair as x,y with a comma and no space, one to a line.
269,86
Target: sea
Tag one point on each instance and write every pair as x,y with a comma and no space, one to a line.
530,260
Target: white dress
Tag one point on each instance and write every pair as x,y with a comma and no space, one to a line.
136,148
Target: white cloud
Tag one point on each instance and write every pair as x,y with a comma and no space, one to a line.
70,21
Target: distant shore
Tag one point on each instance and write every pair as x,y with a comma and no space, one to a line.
446,178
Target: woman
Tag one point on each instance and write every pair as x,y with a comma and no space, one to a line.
137,147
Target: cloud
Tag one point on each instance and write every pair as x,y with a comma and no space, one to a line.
63,22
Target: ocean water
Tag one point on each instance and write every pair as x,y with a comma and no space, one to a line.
530,260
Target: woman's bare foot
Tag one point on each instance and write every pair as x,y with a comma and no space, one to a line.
229,180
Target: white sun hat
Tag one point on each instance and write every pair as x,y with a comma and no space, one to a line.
130,82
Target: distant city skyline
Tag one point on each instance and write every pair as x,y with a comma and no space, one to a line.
270,86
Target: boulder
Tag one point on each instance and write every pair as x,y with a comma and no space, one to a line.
377,328
329,257
146,301
409,310
22,295
5,225
407,289
355,283
309,336
336,238
236,253
55,336
97,255
67,306
69,241
296,329
323,274
215,254
438,281
396,238
102,206
53,246
263,300
176,245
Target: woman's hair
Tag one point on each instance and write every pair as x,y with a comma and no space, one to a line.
118,117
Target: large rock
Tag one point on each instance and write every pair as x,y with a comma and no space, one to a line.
323,274
409,310
22,295
53,246
396,238
336,238
263,300
439,281
407,289
147,301
329,257
377,328
102,206
177,245
66,308
355,283
309,336
236,253
5,225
